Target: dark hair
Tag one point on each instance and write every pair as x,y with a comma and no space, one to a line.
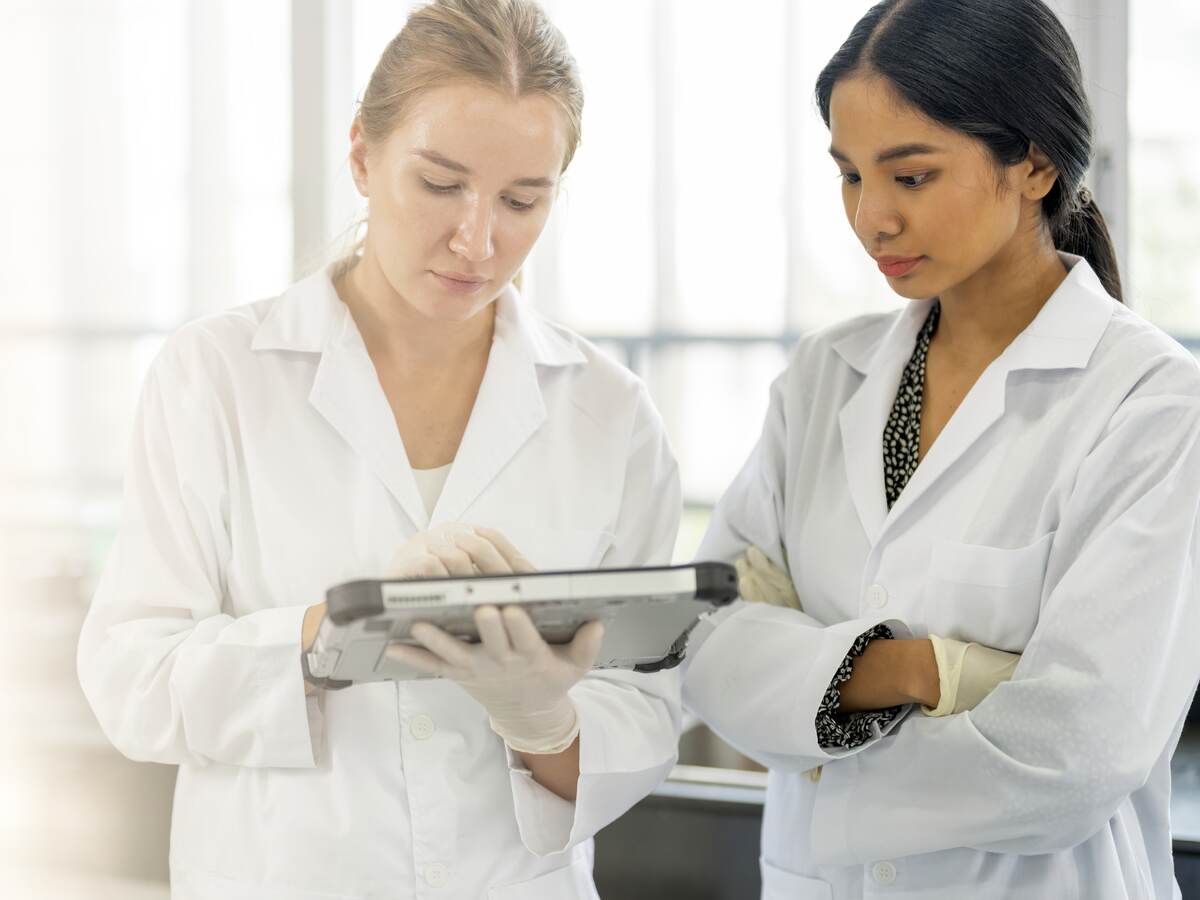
1004,72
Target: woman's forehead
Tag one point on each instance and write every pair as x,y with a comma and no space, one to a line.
868,117
485,130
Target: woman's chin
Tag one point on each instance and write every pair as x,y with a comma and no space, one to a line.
913,288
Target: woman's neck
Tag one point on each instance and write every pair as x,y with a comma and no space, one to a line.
397,334
982,315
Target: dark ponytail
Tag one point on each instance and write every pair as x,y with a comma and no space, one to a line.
1003,72
1085,233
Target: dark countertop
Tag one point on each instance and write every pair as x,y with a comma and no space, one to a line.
1185,793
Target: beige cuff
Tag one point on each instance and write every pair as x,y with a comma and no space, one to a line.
949,656
967,673
550,732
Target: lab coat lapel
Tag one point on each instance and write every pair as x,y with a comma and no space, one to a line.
1063,335
346,391
509,408
864,416
310,318
508,411
862,445
979,410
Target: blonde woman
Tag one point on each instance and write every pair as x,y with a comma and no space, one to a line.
402,409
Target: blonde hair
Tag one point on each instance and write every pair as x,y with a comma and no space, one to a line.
509,45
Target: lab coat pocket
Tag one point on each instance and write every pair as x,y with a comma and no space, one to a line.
991,595
571,882
779,884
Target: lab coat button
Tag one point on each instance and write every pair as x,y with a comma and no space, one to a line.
877,596
422,727
883,872
436,875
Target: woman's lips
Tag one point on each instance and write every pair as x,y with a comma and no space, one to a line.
896,266
459,284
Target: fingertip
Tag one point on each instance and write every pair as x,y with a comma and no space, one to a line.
586,644
514,613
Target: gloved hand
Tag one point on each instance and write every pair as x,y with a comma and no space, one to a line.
967,673
761,581
512,673
456,549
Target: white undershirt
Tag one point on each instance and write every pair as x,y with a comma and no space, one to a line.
430,483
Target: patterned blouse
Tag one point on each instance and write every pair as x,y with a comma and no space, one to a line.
901,444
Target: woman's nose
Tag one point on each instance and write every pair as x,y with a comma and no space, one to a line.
876,218
472,240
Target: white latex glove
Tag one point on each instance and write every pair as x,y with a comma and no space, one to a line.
512,673
761,581
967,673
455,549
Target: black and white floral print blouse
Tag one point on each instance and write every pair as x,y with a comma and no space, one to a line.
901,444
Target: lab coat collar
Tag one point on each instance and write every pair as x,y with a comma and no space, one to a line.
862,348
540,342
303,318
1064,335
309,315
1067,330
509,408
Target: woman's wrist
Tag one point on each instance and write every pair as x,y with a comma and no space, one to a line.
924,685
311,624
313,616
891,673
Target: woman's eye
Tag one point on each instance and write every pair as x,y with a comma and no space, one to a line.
849,177
519,205
439,188
913,181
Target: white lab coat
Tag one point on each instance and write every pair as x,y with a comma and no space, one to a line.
1055,516
266,467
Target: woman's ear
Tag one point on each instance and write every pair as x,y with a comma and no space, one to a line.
358,157
1040,174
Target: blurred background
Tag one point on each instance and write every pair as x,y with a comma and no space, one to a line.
164,159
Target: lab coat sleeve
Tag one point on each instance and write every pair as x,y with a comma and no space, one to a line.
629,723
1043,763
171,677
756,674
750,513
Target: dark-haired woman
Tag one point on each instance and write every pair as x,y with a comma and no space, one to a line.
986,505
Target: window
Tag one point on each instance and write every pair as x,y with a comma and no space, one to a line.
699,230
1164,190
152,175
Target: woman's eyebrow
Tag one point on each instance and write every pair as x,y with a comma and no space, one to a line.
438,160
898,152
446,163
